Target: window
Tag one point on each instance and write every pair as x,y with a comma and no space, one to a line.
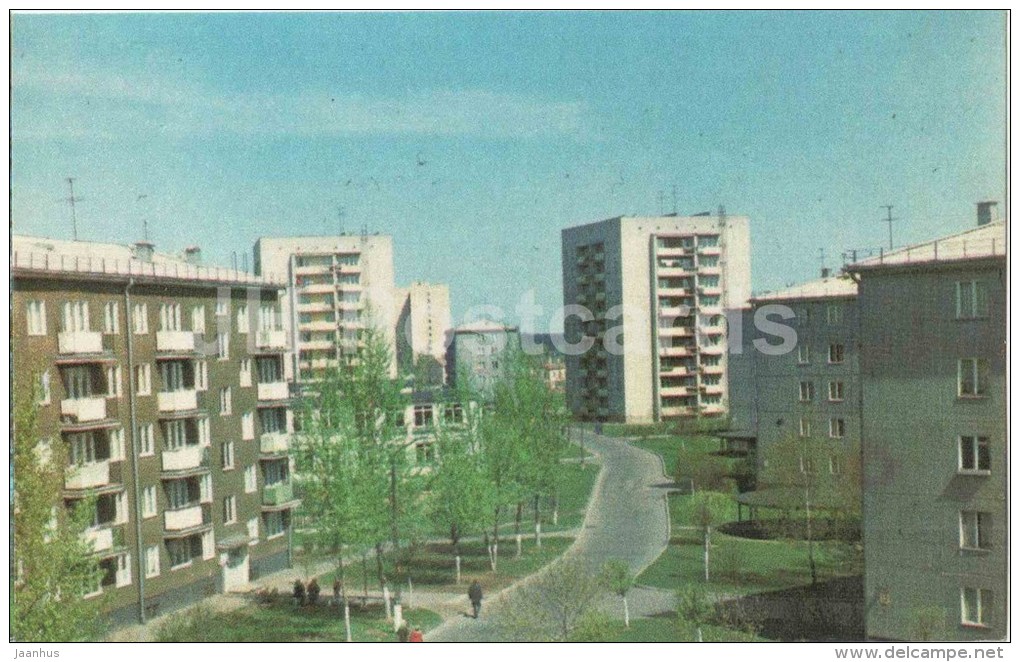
971,299
223,346
253,530
117,444
83,448
225,401
181,550
113,381
834,314
242,318
975,454
228,455
250,479
205,488
803,354
152,561
975,528
835,465
275,526
972,375
170,317
76,316
835,353
423,416
171,374
198,319
807,465
36,316
245,372
149,506
44,388
805,427
123,577
208,545
837,428
247,425
230,510
203,432
222,306
78,381
140,318
111,317
835,391
201,375
175,435
975,605
145,440
143,379
807,391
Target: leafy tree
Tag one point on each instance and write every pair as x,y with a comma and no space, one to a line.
619,579
553,605
693,611
709,509
53,565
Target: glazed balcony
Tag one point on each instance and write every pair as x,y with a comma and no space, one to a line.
183,400
79,342
83,410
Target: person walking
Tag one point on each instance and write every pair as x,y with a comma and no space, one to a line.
475,595
416,636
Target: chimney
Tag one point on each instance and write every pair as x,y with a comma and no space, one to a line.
143,250
986,212
826,272
193,255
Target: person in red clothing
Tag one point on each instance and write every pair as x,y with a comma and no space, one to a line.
416,636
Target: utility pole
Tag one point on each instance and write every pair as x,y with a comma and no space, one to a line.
340,213
889,219
70,200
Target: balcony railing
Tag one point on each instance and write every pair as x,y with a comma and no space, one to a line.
175,341
273,391
183,518
84,409
186,457
271,339
85,476
104,537
183,400
278,493
272,443
79,342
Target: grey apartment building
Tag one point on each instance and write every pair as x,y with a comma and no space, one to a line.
647,296
933,376
478,351
163,380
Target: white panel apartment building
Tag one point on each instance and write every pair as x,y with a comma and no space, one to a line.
657,287
423,318
337,287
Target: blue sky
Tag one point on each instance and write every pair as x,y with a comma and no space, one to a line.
474,138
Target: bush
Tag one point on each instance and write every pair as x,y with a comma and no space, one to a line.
728,560
593,626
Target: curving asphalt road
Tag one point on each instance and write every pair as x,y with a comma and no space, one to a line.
626,519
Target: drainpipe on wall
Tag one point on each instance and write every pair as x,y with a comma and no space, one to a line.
139,547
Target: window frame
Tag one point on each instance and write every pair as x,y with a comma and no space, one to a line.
976,442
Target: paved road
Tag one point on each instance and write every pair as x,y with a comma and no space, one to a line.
626,520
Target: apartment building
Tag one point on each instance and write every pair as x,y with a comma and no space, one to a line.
933,374
807,390
423,318
164,381
478,351
337,287
649,294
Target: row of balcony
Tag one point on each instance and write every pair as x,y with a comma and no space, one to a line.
91,342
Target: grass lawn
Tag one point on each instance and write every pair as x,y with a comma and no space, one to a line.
284,622
433,566
664,628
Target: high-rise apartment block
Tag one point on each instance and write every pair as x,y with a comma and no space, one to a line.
935,461
478,353
423,318
337,287
163,381
650,295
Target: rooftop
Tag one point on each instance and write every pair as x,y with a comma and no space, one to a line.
90,259
840,286
484,326
982,242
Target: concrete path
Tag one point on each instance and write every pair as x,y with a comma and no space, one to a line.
626,519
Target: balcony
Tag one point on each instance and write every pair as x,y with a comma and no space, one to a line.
675,271
713,409
315,307
712,389
83,410
672,291
317,288
318,325
674,370
710,250
676,411
274,443
310,269
710,290
675,351
711,369
184,458
175,341
183,518
675,331
317,344
672,251
277,493
274,391
714,350
674,391
184,400
271,339
80,342
86,476
104,538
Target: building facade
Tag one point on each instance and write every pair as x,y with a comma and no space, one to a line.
163,381
423,319
337,287
649,294
478,353
933,372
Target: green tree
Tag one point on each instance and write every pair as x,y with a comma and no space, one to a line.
53,565
552,605
709,509
619,579
693,611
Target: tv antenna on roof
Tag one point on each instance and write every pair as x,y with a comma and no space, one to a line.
888,219
340,213
70,200
145,222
